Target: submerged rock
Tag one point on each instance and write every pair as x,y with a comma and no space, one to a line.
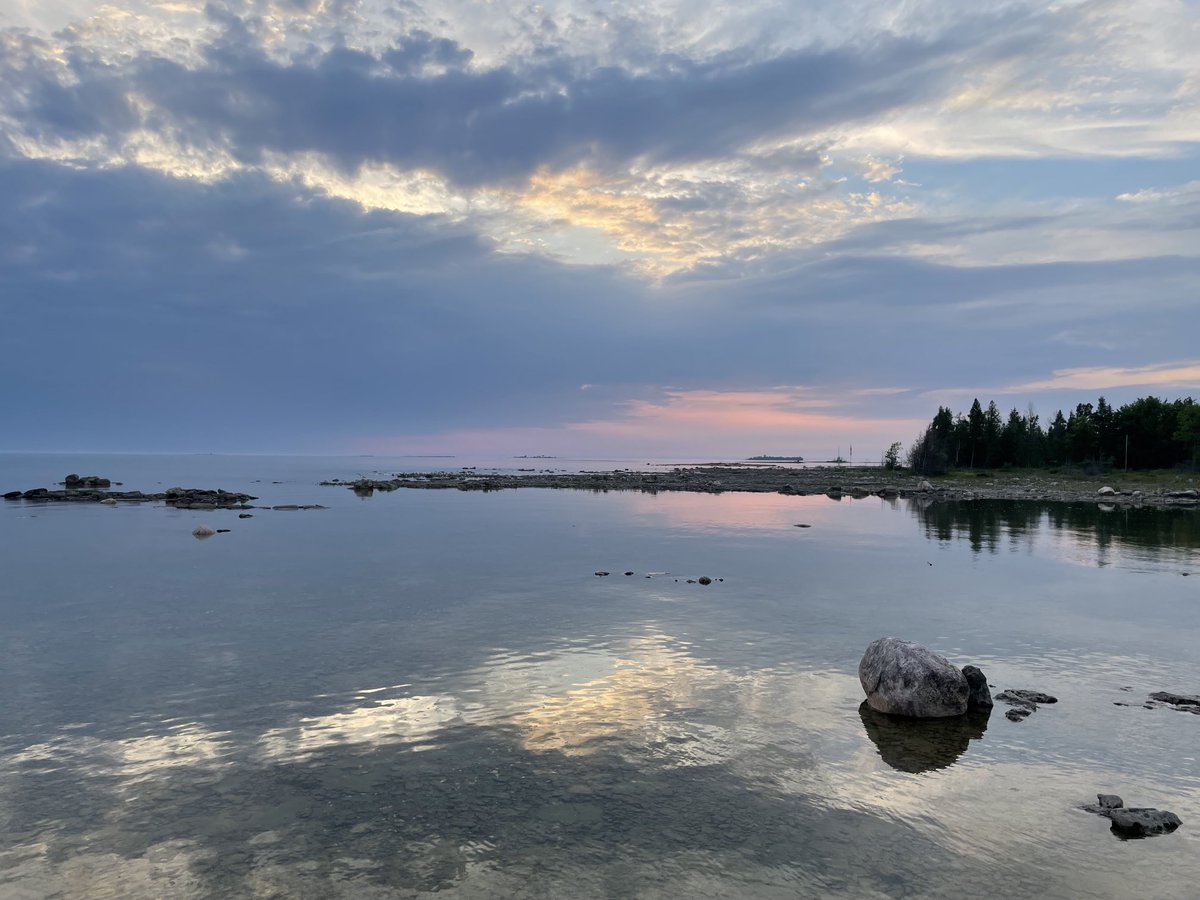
1023,702
906,679
203,531
1020,697
1186,702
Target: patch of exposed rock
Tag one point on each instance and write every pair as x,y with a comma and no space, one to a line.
1133,822
1023,702
90,489
1182,702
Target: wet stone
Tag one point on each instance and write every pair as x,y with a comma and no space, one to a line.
1143,822
1023,696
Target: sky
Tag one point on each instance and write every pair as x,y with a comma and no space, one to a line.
668,229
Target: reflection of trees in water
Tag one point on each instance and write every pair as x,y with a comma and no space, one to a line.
989,524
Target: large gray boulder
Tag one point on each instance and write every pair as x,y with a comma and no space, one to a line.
905,679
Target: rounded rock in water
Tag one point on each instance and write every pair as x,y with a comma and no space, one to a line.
906,679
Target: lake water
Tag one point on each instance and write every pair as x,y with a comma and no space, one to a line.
431,691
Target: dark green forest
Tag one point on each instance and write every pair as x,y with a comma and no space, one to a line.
1148,433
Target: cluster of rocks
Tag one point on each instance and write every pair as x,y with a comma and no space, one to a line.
1133,822
901,678
180,498
91,489
1024,703
703,579
915,687
86,481
1187,497
1182,702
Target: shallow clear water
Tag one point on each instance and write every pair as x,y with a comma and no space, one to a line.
431,690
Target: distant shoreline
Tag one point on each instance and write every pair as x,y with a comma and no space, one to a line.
1128,489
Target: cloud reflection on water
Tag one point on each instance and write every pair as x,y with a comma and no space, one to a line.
646,770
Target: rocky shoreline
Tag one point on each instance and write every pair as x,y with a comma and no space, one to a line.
836,483
180,498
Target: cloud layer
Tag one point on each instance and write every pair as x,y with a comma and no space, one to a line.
345,224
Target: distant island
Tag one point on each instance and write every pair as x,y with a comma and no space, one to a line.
536,456
776,459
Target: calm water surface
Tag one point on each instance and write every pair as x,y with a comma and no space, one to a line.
431,691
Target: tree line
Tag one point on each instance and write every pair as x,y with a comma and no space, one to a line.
1149,433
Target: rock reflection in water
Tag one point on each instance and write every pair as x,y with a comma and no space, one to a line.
921,745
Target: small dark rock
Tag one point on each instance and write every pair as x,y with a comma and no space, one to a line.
13,495
601,574
223,530
689,581
628,573
245,516
979,697
802,526
704,579
1105,804
1018,713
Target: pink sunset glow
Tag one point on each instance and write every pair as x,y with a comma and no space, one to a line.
683,423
